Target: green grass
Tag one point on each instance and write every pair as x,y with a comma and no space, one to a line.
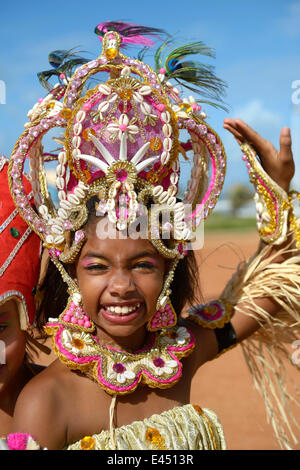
218,221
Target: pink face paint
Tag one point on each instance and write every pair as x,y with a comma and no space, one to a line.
152,261
86,262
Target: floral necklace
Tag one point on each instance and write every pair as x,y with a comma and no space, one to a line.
117,371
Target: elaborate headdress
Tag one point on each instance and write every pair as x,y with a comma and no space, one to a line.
122,142
20,251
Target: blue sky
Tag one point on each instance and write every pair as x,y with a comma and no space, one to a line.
257,47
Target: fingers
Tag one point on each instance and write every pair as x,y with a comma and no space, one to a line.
278,164
247,134
231,128
263,148
285,143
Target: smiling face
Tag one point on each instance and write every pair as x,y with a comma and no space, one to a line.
120,281
12,344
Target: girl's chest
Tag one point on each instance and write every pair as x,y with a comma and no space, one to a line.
92,410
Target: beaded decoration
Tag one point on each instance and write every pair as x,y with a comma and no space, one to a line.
272,202
214,314
117,371
155,439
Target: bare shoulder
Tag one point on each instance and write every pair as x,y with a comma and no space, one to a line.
206,347
41,407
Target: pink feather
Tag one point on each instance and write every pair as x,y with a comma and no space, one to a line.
132,39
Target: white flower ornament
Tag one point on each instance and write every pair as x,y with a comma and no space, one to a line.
123,126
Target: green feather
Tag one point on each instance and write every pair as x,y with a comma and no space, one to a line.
195,76
67,62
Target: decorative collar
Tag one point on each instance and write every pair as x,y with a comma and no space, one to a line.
117,371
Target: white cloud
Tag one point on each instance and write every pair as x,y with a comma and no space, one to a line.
266,122
290,24
257,116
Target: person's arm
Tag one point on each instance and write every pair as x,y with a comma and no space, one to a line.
259,307
279,165
39,412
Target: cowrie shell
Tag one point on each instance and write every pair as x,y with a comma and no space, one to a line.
77,128
259,207
79,192
167,144
75,153
172,190
43,210
171,201
82,185
80,116
174,178
179,206
145,90
165,117
146,109
104,89
138,98
60,183
61,195
60,170
175,165
165,157
62,158
157,191
59,239
73,199
62,213
163,197
76,141
66,205
126,71
103,107
167,130
56,229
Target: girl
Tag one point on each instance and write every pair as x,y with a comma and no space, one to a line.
120,272
19,271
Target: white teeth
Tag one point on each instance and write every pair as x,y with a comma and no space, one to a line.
122,310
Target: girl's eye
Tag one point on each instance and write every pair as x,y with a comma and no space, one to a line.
144,265
96,267
3,326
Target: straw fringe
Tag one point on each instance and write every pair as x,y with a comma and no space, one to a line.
267,349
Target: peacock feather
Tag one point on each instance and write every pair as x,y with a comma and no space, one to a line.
63,62
195,76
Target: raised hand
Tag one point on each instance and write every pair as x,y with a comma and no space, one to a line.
279,164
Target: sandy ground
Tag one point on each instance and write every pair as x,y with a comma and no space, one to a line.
225,385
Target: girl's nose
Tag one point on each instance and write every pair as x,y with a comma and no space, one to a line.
121,284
